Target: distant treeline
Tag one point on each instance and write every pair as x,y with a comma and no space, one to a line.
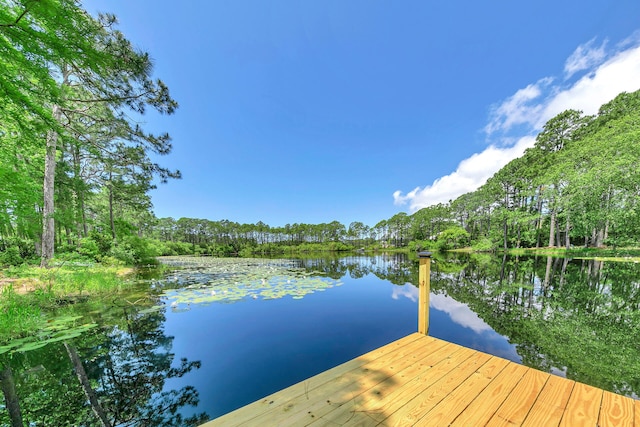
224,237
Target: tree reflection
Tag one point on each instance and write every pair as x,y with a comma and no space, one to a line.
576,317
124,366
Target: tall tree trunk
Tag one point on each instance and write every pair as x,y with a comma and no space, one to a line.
48,190
79,190
67,232
600,238
48,223
505,229
111,222
11,397
85,231
539,219
552,228
86,386
567,228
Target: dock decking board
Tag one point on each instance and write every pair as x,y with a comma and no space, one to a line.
420,380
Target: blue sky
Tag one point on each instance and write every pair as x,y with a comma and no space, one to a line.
309,112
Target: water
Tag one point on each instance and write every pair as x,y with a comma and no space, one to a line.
209,338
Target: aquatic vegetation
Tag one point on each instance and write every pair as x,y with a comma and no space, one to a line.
56,329
30,297
225,280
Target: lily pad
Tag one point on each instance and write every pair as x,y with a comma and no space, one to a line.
57,329
227,280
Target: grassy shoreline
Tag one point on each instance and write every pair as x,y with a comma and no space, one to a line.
29,293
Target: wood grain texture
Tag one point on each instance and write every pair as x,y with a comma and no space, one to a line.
480,411
420,380
615,411
551,404
516,406
583,407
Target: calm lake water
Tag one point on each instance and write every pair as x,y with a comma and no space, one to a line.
214,335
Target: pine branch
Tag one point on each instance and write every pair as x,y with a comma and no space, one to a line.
112,99
19,18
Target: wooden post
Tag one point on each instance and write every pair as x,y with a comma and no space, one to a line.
424,278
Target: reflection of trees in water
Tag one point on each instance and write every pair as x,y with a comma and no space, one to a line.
580,317
125,367
395,268
135,368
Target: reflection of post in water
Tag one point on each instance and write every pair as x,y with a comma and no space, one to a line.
424,273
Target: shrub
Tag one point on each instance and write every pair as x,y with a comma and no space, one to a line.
483,244
89,248
103,241
26,247
134,250
421,245
452,238
11,256
123,252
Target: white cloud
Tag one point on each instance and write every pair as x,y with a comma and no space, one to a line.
621,73
529,109
584,57
458,312
470,174
518,109
407,290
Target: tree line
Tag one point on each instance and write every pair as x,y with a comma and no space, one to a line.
190,235
579,185
75,167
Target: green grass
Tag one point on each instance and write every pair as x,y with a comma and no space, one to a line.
20,313
29,292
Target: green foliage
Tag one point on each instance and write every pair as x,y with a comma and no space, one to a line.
483,244
25,248
177,248
67,87
124,253
453,238
421,245
102,241
89,248
134,250
11,256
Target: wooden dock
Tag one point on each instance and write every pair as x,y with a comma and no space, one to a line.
421,380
